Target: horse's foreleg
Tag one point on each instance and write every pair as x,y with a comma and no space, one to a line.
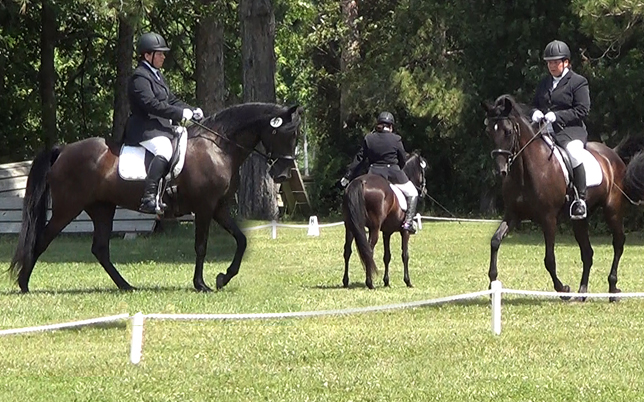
405,257
580,228
102,216
386,257
495,243
348,241
549,228
202,227
223,217
616,225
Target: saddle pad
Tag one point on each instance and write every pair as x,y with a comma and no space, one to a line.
594,175
402,201
132,160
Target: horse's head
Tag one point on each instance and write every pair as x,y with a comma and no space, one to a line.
415,168
502,126
279,136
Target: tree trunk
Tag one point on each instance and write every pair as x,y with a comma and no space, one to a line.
47,74
350,51
123,71
258,193
209,50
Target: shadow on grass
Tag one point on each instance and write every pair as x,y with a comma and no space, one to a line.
160,289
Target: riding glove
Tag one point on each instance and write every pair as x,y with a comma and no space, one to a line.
537,116
187,116
550,117
197,114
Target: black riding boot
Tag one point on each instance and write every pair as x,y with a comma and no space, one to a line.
578,207
158,168
408,224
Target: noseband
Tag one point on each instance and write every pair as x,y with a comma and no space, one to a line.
513,153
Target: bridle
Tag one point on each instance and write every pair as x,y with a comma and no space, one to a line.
270,157
513,153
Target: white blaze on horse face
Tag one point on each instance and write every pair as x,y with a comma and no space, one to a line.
276,122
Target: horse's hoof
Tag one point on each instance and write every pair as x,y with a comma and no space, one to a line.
409,285
565,289
24,290
221,281
615,299
203,288
370,285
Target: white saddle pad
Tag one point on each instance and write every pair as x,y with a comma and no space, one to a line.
132,159
594,175
402,201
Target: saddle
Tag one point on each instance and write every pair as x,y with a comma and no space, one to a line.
135,160
402,201
594,175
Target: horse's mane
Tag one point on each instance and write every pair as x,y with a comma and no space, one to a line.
238,117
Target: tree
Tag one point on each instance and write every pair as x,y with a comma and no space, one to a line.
123,71
209,55
47,75
257,195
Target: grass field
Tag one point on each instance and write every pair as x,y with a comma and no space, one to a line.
550,350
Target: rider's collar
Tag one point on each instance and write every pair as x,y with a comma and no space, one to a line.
154,70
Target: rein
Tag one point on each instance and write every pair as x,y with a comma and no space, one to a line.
511,155
268,156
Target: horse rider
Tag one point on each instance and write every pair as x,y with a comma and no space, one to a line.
562,101
383,150
154,111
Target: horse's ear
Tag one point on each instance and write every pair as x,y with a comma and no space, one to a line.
487,106
295,109
507,106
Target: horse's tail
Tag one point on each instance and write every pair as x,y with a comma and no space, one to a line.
34,211
356,219
634,178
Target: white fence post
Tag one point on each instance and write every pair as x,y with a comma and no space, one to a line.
496,306
274,230
419,222
314,228
136,344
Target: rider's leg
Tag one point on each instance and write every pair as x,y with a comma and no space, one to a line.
161,147
411,194
578,208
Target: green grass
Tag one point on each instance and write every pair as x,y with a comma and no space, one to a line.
549,350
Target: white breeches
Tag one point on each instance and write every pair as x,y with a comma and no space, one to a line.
159,146
408,189
575,148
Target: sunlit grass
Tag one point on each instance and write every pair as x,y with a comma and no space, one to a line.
550,350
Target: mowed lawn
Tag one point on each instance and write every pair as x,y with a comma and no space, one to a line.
549,350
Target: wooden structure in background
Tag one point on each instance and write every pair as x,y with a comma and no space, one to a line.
294,195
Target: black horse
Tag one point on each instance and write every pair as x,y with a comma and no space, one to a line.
82,176
369,201
534,188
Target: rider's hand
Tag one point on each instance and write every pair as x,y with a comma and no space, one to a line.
187,116
550,117
197,114
537,116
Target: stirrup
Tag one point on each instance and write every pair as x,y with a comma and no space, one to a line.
582,205
410,227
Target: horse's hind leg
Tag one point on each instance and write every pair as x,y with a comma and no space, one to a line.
405,257
102,215
59,219
616,225
580,228
348,241
222,216
386,257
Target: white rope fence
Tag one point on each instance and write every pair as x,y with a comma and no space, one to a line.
136,340
314,227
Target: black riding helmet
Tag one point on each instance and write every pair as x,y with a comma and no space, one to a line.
386,118
556,50
151,42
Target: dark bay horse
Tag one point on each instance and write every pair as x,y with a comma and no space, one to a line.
82,176
534,188
369,201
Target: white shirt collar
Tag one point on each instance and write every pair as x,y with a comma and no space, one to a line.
555,80
156,70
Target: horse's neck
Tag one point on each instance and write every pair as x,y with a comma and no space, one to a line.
534,158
